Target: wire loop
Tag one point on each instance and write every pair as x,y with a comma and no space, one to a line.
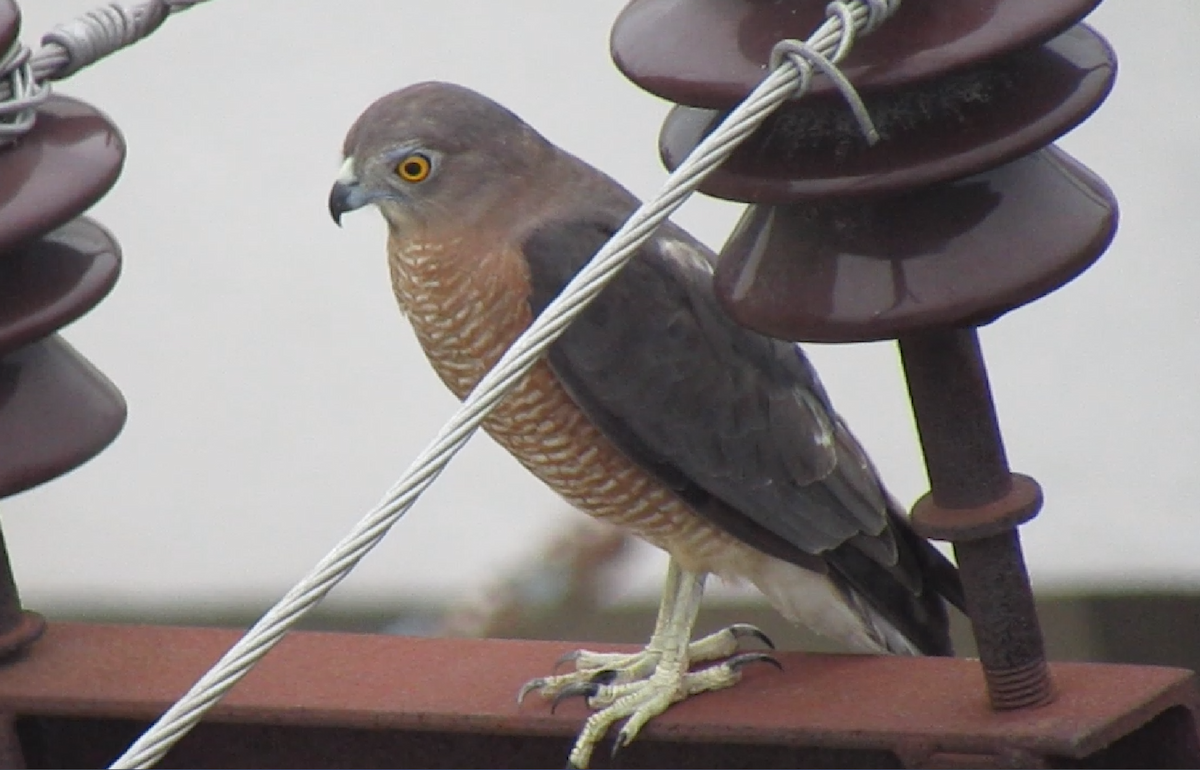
25,75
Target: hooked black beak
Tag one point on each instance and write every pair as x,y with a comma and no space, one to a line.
347,193
339,201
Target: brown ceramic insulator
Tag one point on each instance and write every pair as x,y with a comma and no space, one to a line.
66,163
965,123
956,217
848,271
56,409
920,237
54,280
711,53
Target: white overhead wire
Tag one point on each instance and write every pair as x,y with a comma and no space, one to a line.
793,66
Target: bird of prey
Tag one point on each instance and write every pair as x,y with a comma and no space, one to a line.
653,411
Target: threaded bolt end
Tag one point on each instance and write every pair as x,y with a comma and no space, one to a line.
1021,687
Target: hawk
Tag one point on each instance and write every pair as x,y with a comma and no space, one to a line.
653,412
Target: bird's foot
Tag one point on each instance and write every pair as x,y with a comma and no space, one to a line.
640,701
640,686
619,668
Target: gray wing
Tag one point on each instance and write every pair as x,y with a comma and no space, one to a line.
739,414
737,423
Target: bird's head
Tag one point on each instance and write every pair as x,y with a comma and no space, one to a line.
435,154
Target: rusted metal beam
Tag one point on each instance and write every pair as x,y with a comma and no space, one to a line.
346,700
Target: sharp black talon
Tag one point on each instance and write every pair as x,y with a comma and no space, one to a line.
740,630
528,687
739,661
570,656
577,690
618,743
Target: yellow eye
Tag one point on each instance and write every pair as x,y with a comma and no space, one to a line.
414,168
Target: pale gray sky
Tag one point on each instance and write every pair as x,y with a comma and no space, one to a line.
275,392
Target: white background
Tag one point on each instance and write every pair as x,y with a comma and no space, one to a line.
275,392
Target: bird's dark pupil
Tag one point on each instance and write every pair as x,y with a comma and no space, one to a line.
413,168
